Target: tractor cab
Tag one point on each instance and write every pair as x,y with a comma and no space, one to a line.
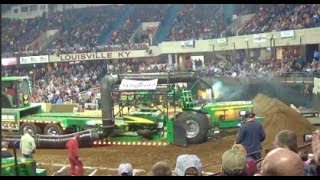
15,92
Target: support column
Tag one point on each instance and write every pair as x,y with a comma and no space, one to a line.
169,59
182,59
176,61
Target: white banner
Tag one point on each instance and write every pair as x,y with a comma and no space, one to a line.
222,40
34,59
128,84
285,34
260,38
9,61
190,43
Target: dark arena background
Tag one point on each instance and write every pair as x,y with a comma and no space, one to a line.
143,83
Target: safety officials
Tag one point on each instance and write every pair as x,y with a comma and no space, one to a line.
76,166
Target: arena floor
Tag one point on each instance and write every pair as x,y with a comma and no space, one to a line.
105,160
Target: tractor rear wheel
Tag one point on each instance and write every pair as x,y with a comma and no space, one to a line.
197,126
53,129
26,126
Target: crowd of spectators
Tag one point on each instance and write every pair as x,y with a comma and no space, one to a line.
82,30
197,21
280,17
141,13
65,82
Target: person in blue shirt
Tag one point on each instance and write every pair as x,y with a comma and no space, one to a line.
316,55
251,135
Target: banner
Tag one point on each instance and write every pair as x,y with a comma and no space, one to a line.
100,55
127,84
190,43
286,34
9,61
259,38
34,59
222,40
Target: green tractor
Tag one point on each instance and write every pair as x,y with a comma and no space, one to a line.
195,122
200,120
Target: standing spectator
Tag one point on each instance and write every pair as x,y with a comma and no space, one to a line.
287,139
313,163
27,144
125,169
188,165
73,153
251,134
308,94
161,168
316,57
4,150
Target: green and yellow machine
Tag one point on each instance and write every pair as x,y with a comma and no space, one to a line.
138,124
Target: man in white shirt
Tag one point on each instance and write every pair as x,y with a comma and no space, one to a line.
27,144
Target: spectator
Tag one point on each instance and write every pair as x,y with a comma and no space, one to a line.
161,168
4,150
251,134
251,164
282,162
287,139
188,165
234,163
76,166
125,169
313,163
27,144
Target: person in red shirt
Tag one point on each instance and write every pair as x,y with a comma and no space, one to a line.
73,154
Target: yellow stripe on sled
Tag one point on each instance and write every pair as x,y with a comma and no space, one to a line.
138,120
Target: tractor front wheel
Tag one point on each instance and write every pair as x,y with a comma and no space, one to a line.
196,125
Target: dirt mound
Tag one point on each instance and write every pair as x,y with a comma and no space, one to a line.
279,116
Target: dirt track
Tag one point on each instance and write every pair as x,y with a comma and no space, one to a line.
141,157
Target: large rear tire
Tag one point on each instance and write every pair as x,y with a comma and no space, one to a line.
197,126
34,128
53,129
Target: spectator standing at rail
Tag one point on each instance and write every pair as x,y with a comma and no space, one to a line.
251,134
308,94
312,167
27,144
76,166
316,57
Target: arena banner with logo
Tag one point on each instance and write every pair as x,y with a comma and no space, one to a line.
190,43
9,61
99,55
34,59
260,38
127,84
286,34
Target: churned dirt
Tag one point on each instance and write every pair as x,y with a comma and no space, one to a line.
279,116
